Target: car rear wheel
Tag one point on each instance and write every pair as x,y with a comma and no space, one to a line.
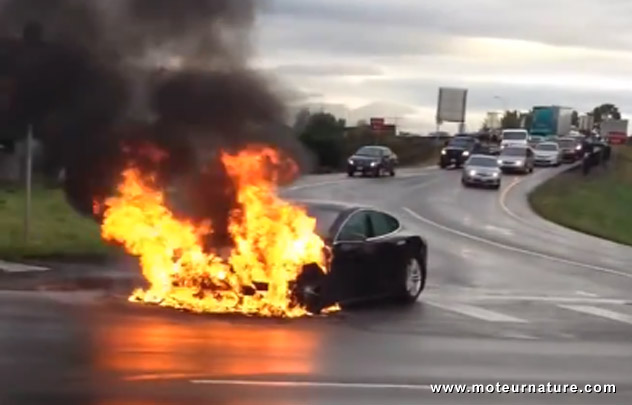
414,281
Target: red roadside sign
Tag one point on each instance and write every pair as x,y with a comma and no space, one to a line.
377,124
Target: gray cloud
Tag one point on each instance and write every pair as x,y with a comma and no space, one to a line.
560,22
403,50
328,70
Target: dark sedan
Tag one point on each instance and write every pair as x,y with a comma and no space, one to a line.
373,160
458,151
571,149
371,257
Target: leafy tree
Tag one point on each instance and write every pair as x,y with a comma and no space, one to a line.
606,110
575,119
324,136
511,119
527,119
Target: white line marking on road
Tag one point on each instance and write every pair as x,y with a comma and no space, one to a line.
313,384
20,268
516,249
476,312
600,312
586,294
421,172
576,300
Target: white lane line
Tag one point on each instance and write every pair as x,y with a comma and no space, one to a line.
515,249
20,268
600,312
476,312
312,384
422,172
567,300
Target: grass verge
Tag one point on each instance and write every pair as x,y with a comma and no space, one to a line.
599,204
57,231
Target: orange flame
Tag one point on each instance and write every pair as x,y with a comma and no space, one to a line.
273,240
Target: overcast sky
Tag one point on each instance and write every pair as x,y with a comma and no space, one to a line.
390,57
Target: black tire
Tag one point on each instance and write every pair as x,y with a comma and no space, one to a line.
392,173
407,294
350,173
496,187
377,172
308,288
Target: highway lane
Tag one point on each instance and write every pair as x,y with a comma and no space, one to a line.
490,314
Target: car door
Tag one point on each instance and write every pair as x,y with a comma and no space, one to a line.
353,257
389,251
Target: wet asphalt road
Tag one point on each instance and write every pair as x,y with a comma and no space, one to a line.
510,299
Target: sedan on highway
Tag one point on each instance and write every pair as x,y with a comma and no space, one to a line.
370,256
571,149
458,150
516,159
373,160
548,154
481,170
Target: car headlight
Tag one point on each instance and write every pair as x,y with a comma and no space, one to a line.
443,152
472,172
519,162
500,162
373,164
466,153
578,147
496,174
351,162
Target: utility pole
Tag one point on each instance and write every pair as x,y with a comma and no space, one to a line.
29,183
32,37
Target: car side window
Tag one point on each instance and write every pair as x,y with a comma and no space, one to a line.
383,224
357,228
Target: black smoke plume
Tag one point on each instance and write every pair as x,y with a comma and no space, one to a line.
94,75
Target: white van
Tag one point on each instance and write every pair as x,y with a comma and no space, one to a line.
514,137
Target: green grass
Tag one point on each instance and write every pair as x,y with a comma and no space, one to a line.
599,204
57,231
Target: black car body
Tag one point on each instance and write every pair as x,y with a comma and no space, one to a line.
571,149
371,256
372,160
458,150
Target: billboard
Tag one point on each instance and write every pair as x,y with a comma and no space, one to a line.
452,105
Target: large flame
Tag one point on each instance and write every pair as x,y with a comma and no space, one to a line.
273,240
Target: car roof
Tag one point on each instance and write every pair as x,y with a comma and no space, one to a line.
479,155
373,147
548,143
330,205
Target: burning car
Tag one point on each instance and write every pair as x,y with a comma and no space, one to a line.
371,256
284,258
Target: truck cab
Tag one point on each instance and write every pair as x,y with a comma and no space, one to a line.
514,138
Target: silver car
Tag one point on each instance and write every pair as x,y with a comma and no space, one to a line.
548,154
481,170
516,159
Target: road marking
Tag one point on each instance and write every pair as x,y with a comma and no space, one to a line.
586,294
422,172
600,312
516,249
312,384
568,300
503,197
20,268
476,312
